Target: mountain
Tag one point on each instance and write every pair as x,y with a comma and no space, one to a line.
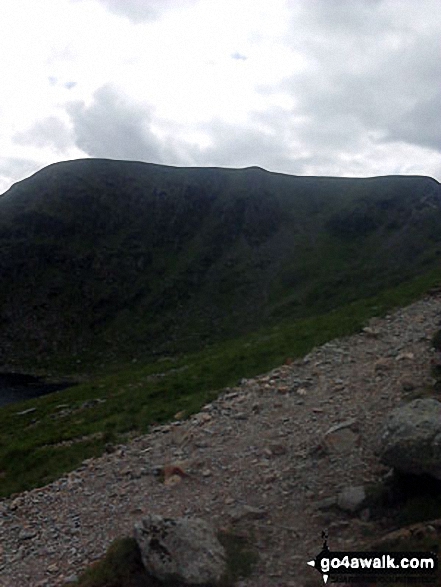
119,258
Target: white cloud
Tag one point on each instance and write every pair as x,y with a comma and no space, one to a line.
50,131
348,87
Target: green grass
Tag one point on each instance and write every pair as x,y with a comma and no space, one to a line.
67,427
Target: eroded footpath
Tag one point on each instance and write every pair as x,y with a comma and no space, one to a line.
258,460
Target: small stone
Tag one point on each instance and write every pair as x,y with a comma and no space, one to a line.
24,412
206,473
382,365
174,469
341,437
15,504
373,332
27,534
248,512
278,449
351,498
52,568
203,418
283,389
405,357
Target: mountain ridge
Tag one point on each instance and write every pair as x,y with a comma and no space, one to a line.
161,257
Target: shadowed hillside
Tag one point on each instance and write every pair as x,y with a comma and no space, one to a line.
117,258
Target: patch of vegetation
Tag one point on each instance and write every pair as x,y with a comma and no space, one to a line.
121,567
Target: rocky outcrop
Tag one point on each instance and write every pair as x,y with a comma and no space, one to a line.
184,550
411,439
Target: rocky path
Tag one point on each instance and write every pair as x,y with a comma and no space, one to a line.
264,458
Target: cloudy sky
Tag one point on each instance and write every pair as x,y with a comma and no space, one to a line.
307,87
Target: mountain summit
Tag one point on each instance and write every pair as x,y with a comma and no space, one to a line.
118,255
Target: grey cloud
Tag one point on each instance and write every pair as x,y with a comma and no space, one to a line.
70,85
421,125
341,17
234,146
50,131
16,166
369,72
114,127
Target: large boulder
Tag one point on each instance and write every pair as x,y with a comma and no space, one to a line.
184,550
411,439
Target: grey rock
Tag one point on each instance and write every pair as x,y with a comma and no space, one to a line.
351,423
411,438
247,512
24,412
27,534
342,437
373,332
351,499
277,449
181,550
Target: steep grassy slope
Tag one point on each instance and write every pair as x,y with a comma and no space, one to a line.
106,260
43,438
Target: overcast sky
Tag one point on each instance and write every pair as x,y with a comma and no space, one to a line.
306,87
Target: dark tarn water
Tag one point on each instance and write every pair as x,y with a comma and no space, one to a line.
17,387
